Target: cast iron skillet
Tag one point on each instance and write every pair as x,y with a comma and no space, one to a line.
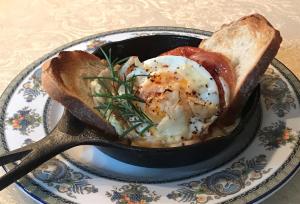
71,132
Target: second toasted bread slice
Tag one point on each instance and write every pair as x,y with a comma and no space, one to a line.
63,79
250,43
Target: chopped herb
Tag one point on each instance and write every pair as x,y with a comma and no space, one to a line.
121,104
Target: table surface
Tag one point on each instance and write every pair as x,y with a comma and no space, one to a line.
31,28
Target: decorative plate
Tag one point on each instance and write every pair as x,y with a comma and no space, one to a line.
85,175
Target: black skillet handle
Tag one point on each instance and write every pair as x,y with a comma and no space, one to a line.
67,134
34,155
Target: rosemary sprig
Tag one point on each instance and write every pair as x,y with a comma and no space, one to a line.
121,96
98,77
123,105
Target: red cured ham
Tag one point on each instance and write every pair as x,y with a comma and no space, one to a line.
216,64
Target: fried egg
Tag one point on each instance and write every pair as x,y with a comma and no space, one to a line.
181,97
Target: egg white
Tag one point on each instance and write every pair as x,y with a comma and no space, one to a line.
175,120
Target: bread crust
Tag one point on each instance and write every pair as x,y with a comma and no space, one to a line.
62,79
265,41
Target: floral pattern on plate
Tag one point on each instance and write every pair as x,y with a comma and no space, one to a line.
277,135
132,194
25,120
32,88
277,95
94,44
222,183
57,174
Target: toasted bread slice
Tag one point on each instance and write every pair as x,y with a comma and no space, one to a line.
250,43
63,79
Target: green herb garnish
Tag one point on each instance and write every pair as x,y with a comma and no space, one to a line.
122,105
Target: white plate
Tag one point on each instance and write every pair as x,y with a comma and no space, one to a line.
74,177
